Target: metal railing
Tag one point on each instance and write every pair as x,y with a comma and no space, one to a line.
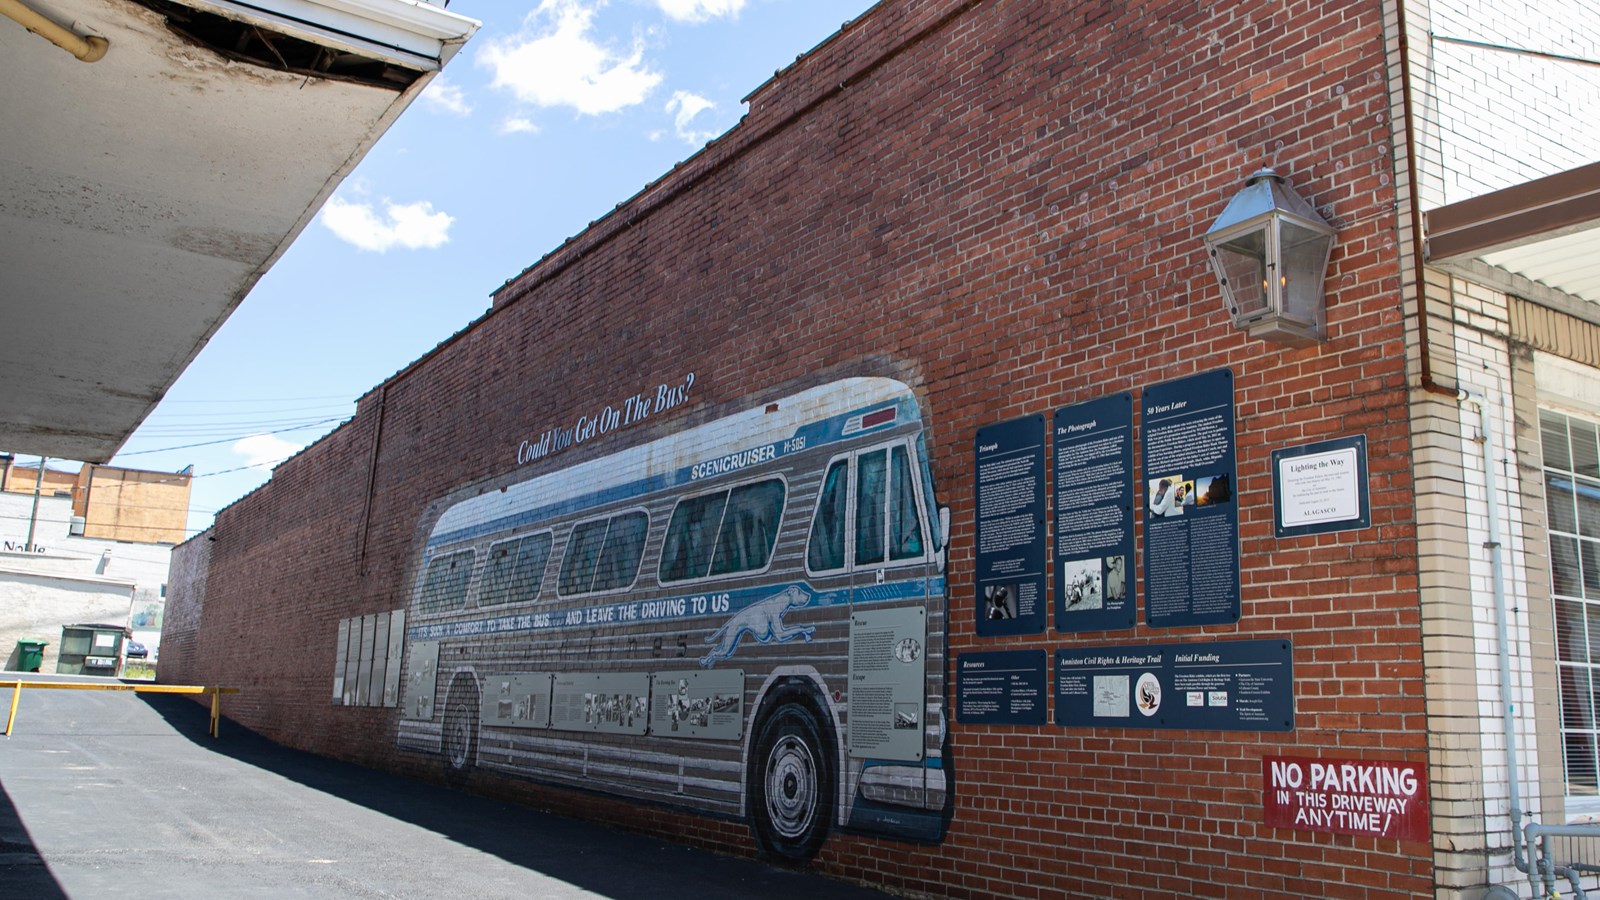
216,693
1560,852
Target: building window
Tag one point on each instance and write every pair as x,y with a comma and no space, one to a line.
1572,498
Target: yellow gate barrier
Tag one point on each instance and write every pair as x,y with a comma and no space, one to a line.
215,692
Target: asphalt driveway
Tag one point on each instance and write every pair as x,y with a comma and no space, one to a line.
106,795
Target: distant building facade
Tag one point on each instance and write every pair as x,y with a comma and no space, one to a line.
101,544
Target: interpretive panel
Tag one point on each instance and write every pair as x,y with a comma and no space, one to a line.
888,687
397,643
380,661
1010,566
1321,487
520,700
1005,687
613,702
352,661
1092,445
1221,686
340,650
1191,525
1374,798
422,672
697,704
368,626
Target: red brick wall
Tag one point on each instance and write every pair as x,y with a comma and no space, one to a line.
999,203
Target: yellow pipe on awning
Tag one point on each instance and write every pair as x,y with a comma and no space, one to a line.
88,49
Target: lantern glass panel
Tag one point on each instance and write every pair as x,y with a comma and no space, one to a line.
1305,265
1241,264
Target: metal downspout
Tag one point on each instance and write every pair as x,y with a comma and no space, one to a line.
1501,629
1419,245
89,49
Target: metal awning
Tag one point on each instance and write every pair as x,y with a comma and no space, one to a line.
145,193
1546,231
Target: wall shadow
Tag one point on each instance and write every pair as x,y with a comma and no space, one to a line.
594,857
23,872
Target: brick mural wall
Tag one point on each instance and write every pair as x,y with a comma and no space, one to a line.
999,204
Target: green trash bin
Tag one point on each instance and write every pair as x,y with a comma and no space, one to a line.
30,655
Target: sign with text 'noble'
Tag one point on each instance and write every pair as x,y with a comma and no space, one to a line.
1374,798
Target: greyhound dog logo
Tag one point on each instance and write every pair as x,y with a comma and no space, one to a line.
762,620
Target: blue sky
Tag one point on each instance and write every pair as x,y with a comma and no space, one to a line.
554,113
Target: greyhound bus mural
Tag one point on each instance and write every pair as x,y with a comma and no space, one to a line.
745,618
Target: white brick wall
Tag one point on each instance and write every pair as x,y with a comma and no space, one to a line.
1502,114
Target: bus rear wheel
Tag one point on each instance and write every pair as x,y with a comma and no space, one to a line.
459,743
791,782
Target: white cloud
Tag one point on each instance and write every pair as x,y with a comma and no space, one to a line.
555,61
264,449
412,226
700,10
442,96
683,108
518,125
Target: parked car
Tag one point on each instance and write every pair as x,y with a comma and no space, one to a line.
137,650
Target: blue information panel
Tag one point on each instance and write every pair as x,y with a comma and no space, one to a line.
1191,517
1010,570
1006,687
1092,444
1219,686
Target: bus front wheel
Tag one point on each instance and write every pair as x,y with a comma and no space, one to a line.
791,781
460,739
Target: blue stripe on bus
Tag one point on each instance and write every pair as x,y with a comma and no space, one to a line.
670,609
815,434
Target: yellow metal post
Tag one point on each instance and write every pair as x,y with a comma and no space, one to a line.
16,694
216,711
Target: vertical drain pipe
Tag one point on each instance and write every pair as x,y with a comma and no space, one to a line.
1502,631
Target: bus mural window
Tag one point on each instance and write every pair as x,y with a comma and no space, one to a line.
444,586
826,550
870,498
619,559
583,550
929,501
906,536
691,534
749,528
516,570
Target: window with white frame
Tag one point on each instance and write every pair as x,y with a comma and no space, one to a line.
1571,449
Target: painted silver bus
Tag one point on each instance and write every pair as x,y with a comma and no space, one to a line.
745,618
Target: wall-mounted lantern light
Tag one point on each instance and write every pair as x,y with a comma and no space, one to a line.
1270,250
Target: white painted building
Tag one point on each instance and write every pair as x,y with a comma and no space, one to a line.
67,579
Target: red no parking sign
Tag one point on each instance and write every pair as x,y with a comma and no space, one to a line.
1377,798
